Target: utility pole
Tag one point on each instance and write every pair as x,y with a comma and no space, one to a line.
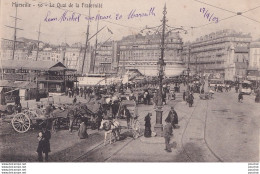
196,64
158,128
38,42
189,67
86,45
15,30
95,53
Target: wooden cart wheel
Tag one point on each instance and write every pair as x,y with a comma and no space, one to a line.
21,123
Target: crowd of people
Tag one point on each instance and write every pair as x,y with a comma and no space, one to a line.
110,100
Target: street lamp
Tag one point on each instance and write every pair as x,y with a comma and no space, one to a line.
165,30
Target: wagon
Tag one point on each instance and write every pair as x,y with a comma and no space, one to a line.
22,122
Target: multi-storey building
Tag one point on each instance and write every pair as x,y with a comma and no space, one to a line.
74,59
21,54
254,55
143,52
104,59
254,61
223,53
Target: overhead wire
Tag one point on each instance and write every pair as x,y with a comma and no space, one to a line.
216,6
250,18
251,9
237,13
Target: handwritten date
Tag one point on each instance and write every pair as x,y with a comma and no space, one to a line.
209,16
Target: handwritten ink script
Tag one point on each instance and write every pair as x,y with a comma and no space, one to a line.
64,17
76,17
209,16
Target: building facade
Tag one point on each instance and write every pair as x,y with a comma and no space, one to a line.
253,72
74,59
104,58
143,52
224,53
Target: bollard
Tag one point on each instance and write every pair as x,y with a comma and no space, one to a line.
27,105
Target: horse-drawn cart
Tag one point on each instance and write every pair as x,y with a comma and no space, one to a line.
61,116
22,122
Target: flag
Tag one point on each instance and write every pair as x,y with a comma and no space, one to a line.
109,31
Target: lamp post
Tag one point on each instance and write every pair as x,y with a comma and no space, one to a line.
158,127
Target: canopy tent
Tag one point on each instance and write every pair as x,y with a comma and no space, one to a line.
170,71
246,81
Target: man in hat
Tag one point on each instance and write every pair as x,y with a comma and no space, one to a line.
172,117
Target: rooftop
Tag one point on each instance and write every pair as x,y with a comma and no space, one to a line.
32,65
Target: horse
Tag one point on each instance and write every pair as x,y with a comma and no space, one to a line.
112,128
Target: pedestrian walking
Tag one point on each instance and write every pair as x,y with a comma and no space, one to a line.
240,97
81,91
184,95
145,96
70,92
82,133
236,88
167,131
44,144
202,91
190,99
85,92
75,100
172,117
147,131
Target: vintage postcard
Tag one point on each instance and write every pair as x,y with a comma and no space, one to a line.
130,81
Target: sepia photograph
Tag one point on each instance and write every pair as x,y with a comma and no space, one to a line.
94,81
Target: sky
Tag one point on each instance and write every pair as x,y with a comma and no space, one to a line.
184,13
